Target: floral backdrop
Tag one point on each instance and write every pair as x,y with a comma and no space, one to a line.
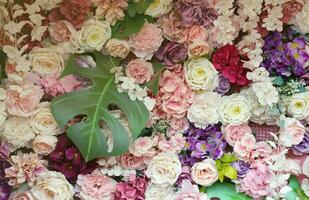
154,99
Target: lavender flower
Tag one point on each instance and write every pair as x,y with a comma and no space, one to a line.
241,167
185,175
302,147
224,85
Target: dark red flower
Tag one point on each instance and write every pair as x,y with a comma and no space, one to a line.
226,56
235,74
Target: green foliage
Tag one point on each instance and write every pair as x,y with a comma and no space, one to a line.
153,84
2,64
224,191
278,81
93,103
296,190
224,167
131,24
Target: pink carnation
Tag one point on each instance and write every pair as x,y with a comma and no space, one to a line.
147,41
234,133
23,100
140,70
134,189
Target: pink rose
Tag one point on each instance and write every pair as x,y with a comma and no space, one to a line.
140,70
189,192
245,147
290,8
130,161
61,31
197,33
95,186
234,133
144,146
292,133
176,106
134,189
172,145
204,173
26,195
147,41
263,149
169,81
23,100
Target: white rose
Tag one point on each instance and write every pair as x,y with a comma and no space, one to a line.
17,131
164,169
292,133
302,19
117,48
204,109
298,106
234,110
94,35
45,61
43,122
204,173
159,192
52,186
159,8
44,144
201,74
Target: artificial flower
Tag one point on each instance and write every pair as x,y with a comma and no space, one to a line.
204,173
117,48
140,70
44,144
159,8
292,132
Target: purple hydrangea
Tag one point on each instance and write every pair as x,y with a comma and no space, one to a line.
224,85
241,167
302,147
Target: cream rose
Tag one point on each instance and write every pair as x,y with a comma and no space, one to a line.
44,144
52,186
117,48
17,131
234,110
201,74
94,35
45,61
204,109
159,192
204,173
298,106
43,122
292,133
159,8
164,168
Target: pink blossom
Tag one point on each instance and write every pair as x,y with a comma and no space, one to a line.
263,149
140,70
146,41
26,195
95,186
23,100
61,31
189,192
144,146
178,125
245,147
172,145
197,33
290,8
130,161
134,189
292,133
234,133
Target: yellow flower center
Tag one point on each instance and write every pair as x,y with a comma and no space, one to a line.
299,105
236,110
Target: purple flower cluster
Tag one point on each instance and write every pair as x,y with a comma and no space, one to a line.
67,159
5,188
241,167
302,147
195,12
202,143
224,85
283,55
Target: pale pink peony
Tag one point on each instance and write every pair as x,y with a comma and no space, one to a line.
245,147
292,133
130,161
263,149
23,100
95,187
25,168
140,70
144,146
61,31
147,41
189,192
174,144
205,173
234,133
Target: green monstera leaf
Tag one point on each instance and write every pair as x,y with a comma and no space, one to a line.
93,103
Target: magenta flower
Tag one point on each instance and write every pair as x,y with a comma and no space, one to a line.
134,189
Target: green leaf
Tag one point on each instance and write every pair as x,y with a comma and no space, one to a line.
128,26
228,158
93,103
225,191
2,64
142,5
221,176
278,81
153,84
131,10
218,165
296,190
230,172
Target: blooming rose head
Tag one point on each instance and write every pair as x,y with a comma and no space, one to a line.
197,33
147,41
290,8
198,49
23,100
234,133
164,169
204,173
189,192
226,56
172,53
245,147
95,187
61,31
263,149
292,133
26,195
52,186
46,62
140,70
201,75
118,48
298,106
44,144
143,146
159,8
94,34
130,161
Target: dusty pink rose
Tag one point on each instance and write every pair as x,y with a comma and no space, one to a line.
197,33
55,87
26,195
23,100
245,147
263,149
169,82
292,133
256,181
134,189
95,186
189,192
61,31
130,161
290,8
140,70
176,105
144,146
234,133
147,41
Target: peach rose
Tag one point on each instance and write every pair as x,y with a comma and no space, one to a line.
234,133
197,33
130,161
204,173
44,144
140,70
23,100
117,48
290,8
199,48
292,133
61,31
